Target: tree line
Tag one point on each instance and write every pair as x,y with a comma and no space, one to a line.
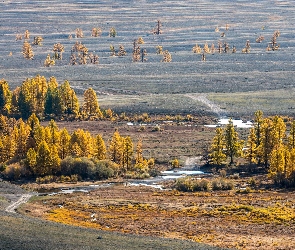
269,145
28,149
46,98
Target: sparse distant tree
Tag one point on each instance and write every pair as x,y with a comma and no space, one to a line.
136,54
140,40
220,47
167,56
197,49
18,37
27,50
273,45
49,61
206,48
203,57
38,40
96,32
82,54
27,35
94,59
58,49
259,39
122,51
158,29
212,48
226,47
112,49
234,50
159,50
143,53
113,32
79,33
247,47
175,163
73,59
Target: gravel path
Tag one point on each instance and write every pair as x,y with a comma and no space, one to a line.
13,206
215,108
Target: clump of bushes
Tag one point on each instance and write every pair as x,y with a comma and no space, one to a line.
88,168
53,178
190,184
76,169
222,184
14,172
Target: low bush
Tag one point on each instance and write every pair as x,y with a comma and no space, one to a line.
103,170
189,184
14,172
222,184
83,167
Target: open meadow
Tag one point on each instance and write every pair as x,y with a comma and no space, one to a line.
248,65
229,79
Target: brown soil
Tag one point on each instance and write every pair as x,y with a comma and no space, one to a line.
253,220
174,139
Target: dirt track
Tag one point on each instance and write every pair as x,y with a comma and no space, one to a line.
13,206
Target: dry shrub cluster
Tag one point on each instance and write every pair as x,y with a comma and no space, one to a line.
190,184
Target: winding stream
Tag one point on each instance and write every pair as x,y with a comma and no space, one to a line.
189,169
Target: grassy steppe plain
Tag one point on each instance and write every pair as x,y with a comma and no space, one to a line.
239,83
228,79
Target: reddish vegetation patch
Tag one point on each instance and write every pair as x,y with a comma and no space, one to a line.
229,219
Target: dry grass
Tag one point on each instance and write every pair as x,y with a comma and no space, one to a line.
257,219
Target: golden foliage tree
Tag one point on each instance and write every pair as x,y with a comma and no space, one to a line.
167,57
96,32
90,106
64,143
233,145
49,61
99,148
127,153
58,49
69,100
112,32
27,50
5,97
217,150
115,149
